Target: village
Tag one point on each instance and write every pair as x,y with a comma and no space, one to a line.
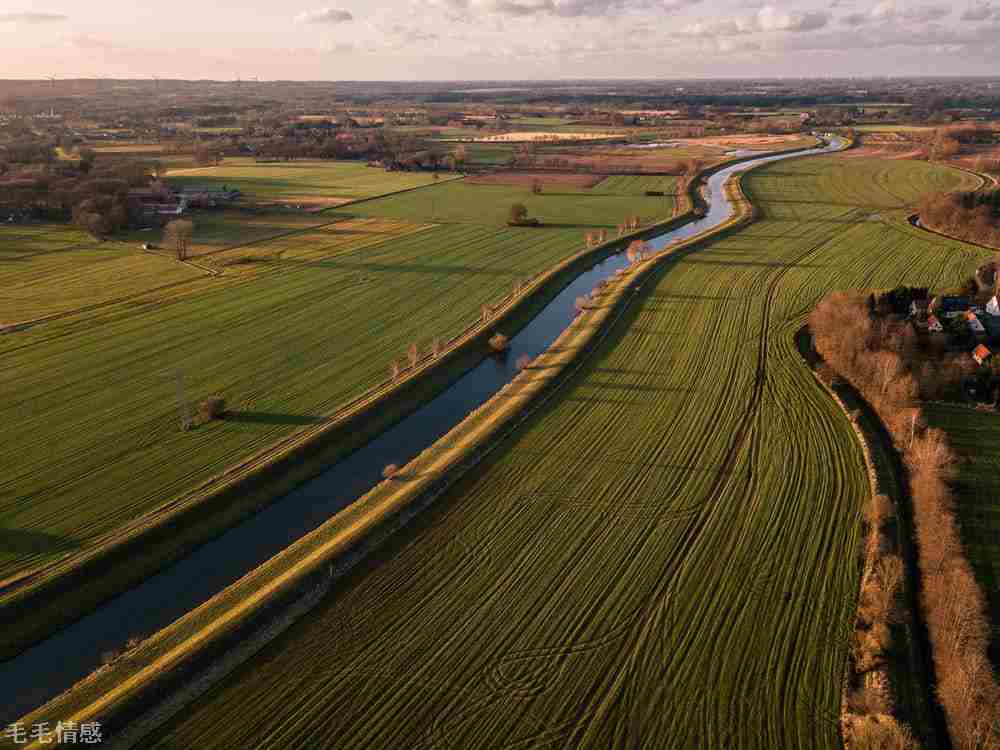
957,330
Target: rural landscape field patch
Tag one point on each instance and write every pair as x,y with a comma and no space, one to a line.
301,180
90,406
666,555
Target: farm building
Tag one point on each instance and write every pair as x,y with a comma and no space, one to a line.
950,306
974,325
981,354
934,325
918,308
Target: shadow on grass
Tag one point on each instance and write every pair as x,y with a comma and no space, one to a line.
26,542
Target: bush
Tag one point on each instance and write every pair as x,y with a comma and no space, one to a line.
499,343
212,408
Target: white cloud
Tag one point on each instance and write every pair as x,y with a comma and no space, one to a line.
324,15
769,18
32,17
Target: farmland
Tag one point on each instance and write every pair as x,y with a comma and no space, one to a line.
292,329
305,181
665,555
974,434
47,269
562,206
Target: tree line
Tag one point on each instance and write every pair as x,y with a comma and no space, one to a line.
971,216
881,361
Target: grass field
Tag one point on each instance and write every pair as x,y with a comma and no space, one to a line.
975,436
90,435
562,206
665,556
301,181
218,229
635,184
47,269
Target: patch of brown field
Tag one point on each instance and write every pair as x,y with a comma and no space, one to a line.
884,151
655,160
740,141
582,180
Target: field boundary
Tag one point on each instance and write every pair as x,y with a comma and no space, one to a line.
118,693
888,477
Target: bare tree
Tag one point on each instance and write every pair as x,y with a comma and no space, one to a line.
178,234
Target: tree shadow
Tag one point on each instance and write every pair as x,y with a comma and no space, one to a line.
270,418
27,542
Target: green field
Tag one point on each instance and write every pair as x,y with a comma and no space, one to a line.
304,180
559,206
635,185
47,269
975,436
295,328
664,556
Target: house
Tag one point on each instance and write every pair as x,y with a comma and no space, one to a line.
934,325
950,306
981,354
974,325
918,308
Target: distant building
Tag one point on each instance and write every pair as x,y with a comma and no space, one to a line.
918,308
981,354
974,325
950,306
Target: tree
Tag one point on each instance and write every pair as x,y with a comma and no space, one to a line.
178,234
518,213
96,225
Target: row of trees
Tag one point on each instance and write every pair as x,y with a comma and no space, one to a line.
969,216
879,363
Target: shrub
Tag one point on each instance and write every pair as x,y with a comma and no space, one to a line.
877,732
212,408
499,342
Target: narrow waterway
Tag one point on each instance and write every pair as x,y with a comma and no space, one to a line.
53,665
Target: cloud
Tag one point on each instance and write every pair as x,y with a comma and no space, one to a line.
87,42
324,15
925,13
769,18
934,37
981,12
887,11
32,17
856,19
468,9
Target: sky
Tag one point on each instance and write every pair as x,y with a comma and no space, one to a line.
497,39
